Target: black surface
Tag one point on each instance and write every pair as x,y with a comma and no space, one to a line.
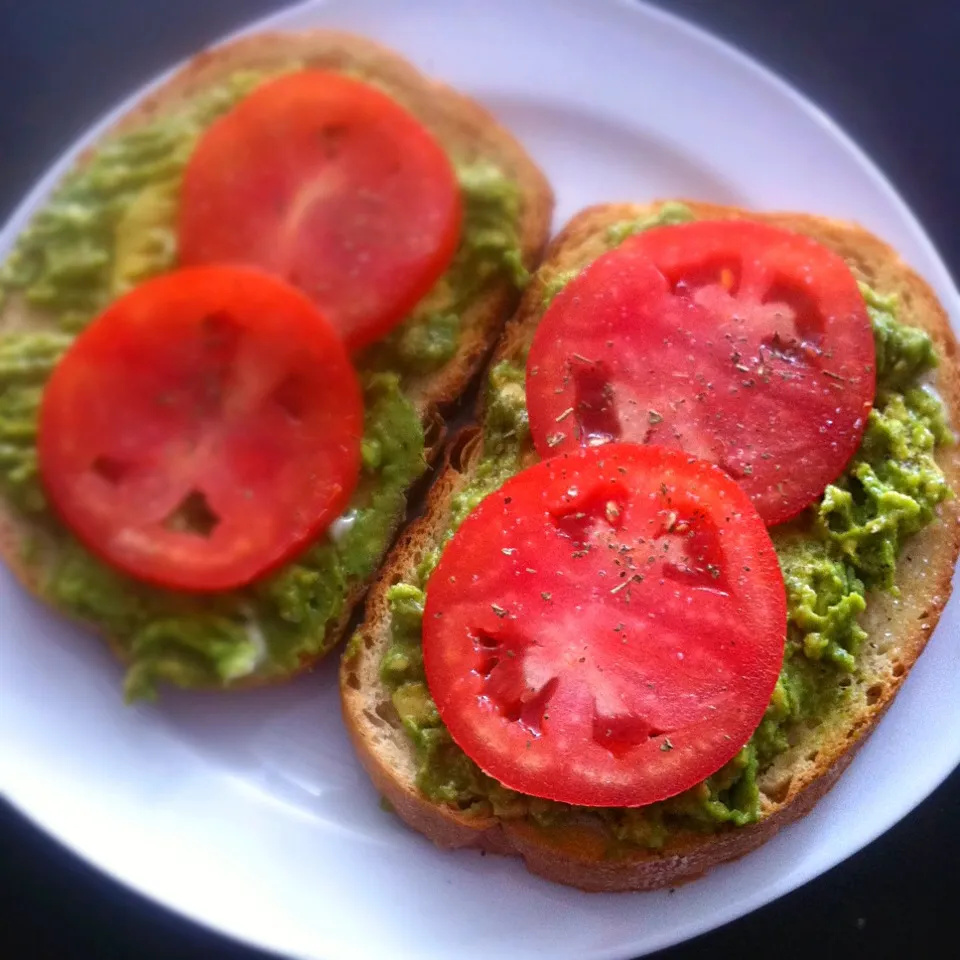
887,72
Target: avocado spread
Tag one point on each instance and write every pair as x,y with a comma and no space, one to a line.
846,545
111,225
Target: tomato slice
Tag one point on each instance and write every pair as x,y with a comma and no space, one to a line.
332,185
738,342
608,627
202,429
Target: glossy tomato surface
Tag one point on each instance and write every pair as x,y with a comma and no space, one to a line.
202,429
607,628
329,183
741,343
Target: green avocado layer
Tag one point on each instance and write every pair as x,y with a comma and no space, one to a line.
111,225
847,545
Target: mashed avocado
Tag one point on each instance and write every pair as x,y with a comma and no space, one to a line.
490,247
667,215
111,222
111,225
846,545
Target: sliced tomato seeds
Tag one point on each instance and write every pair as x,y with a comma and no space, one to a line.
607,628
331,184
202,429
740,343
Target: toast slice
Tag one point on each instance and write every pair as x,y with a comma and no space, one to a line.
575,853
468,133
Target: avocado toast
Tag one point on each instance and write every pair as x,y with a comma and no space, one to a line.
866,577
110,226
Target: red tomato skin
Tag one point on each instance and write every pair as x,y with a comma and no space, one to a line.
608,656
207,381
772,377
360,207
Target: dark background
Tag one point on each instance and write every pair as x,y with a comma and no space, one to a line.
888,72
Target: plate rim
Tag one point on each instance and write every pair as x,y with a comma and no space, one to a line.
760,72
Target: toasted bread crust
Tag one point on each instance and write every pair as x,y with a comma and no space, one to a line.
465,129
898,629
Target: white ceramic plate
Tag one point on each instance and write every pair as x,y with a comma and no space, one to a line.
248,812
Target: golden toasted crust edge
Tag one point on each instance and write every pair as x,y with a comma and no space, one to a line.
461,124
805,773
